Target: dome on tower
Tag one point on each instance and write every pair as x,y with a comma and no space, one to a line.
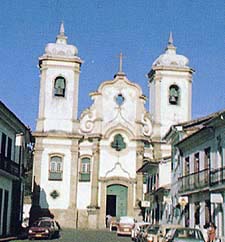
170,58
61,48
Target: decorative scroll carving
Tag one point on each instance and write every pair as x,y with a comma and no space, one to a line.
147,124
87,121
117,164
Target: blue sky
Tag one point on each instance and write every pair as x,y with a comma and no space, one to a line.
101,30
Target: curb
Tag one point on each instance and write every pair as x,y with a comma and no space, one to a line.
7,239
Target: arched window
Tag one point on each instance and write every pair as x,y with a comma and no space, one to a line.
85,169
55,168
60,86
174,95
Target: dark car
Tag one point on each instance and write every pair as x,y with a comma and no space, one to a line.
184,235
137,229
44,228
150,233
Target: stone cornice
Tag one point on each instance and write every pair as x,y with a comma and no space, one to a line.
172,68
152,73
60,59
141,138
93,136
57,135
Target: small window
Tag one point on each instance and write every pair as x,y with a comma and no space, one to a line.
196,162
55,168
187,166
3,145
207,158
9,148
85,170
174,95
120,99
60,86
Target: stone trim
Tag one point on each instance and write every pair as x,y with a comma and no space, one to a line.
113,179
57,135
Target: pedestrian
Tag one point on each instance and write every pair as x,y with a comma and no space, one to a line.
205,232
211,232
108,220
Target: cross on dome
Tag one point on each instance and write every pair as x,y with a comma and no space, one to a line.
121,62
170,41
120,72
170,46
62,30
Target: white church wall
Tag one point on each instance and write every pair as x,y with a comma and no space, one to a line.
164,173
85,148
166,150
100,197
118,163
47,186
83,195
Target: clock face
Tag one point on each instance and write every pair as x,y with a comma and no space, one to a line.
120,99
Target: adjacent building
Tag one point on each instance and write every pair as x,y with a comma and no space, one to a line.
198,172
15,138
85,167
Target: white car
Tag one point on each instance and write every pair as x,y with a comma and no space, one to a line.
125,225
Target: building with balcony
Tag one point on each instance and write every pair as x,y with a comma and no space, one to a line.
198,172
14,154
157,177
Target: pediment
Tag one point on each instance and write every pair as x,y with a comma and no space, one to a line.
117,104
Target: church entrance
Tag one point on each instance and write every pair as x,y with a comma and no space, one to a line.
116,200
111,205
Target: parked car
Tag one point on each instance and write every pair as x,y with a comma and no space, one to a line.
184,235
138,227
164,229
44,228
125,225
151,233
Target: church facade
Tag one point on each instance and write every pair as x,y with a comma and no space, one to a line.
86,167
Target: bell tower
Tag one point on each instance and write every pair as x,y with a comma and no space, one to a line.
58,99
170,82
57,136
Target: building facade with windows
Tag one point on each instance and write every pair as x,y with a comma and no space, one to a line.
14,158
85,167
198,172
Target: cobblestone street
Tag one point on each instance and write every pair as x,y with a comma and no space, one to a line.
86,236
